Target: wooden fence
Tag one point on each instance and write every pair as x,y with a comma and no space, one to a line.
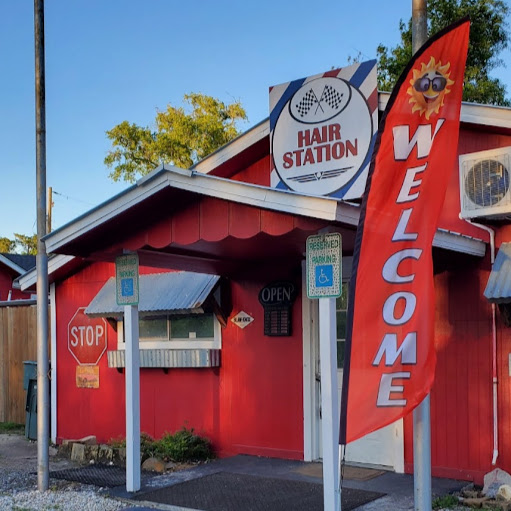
18,343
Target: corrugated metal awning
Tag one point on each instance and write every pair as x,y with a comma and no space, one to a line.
498,289
159,293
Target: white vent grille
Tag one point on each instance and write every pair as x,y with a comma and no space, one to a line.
485,183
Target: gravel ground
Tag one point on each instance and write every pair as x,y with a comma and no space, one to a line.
18,491
18,483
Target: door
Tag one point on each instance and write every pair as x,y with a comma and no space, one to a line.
383,448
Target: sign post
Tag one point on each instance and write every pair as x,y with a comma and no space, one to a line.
324,280
127,294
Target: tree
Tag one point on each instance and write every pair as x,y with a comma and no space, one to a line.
27,245
488,38
180,138
7,245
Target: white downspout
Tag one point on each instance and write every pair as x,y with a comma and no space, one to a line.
494,348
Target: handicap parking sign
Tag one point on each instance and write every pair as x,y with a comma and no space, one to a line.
127,287
324,255
324,275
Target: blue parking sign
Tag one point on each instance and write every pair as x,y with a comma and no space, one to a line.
324,275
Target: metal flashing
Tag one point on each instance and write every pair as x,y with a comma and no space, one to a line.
168,358
498,288
160,293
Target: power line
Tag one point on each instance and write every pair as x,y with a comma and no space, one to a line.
72,198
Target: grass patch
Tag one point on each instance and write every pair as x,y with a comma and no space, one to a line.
445,502
12,428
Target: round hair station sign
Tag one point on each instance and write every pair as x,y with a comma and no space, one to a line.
322,135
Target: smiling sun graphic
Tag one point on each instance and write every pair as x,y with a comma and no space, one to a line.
429,85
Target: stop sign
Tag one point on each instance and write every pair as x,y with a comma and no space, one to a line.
86,338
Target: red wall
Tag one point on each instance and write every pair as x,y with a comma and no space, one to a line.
461,398
251,404
470,141
6,278
258,173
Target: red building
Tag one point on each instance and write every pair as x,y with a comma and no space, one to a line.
245,373
11,267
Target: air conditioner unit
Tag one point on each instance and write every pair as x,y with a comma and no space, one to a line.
485,183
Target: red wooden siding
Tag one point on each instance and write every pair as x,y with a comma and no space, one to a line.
6,278
213,219
258,173
471,140
252,404
461,398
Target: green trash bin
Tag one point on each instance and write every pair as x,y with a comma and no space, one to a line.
29,372
30,385
31,411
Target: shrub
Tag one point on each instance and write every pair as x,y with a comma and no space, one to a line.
183,445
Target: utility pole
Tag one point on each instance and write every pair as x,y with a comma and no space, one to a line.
422,413
50,208
43,386
419,24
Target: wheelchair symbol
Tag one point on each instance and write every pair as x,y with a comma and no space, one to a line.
324,275
127,288
322,278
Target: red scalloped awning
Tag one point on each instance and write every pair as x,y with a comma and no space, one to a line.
185,230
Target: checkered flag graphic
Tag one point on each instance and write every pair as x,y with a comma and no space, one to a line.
306,103
331,97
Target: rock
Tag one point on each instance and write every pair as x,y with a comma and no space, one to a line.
470,494
86,440
170,465
494,480
121,454
52,451
105,453
153,465
78,453
478,502
92,452
504,493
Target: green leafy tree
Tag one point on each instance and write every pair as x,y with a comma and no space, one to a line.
7,246
489,36
26,245
180,138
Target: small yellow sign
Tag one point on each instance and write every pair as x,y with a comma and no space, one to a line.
87,377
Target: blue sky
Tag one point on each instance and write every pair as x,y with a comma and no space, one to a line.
112,60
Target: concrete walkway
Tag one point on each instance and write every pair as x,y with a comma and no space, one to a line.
17,453
398,488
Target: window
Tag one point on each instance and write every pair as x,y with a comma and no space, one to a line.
200,331
341,306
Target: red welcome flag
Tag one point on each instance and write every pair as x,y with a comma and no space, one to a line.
390,356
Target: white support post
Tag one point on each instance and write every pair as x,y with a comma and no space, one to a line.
53,364
422,455
329,404
132,398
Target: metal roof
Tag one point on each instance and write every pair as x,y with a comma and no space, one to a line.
19,263
159,293
498,289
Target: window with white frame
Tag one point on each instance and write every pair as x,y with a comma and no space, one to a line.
197,331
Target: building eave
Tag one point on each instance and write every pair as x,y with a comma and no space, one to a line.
13,266
471,113
191,181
